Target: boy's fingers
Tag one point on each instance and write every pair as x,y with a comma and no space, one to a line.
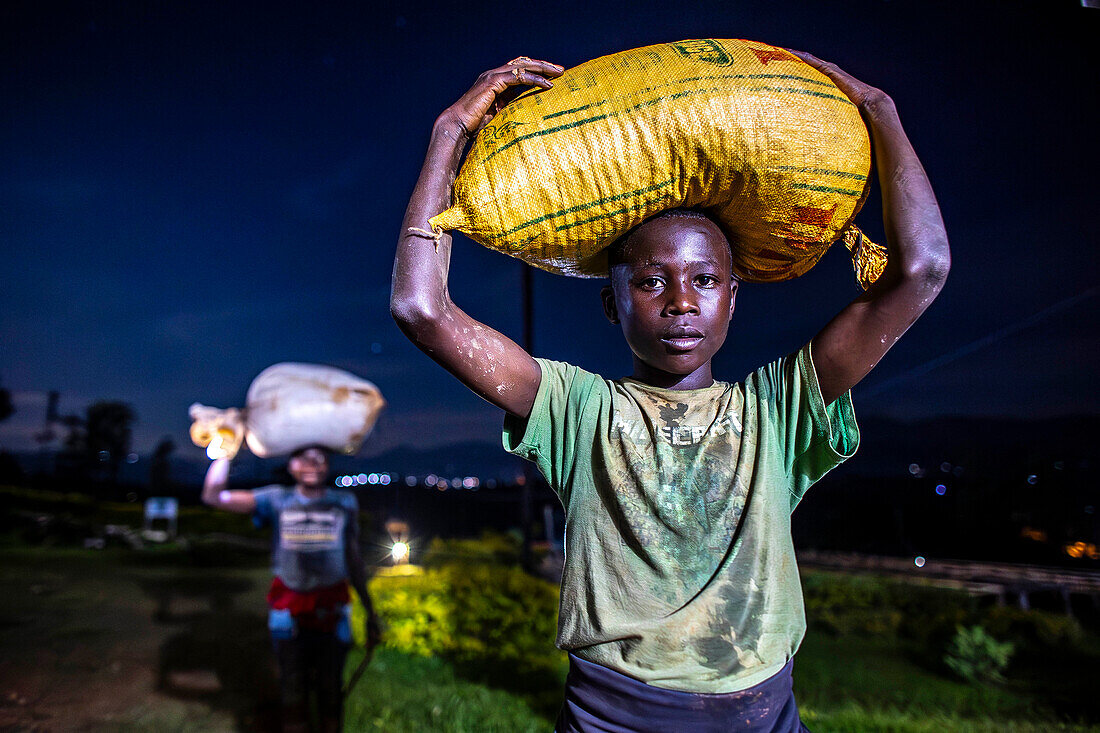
545,68
831,70
809,58
526,77
825,67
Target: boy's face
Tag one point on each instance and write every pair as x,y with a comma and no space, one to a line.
674,294
309,467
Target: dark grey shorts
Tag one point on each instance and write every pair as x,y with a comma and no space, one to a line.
601,700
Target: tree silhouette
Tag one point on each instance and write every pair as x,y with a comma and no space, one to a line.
107,435
7,409
160,470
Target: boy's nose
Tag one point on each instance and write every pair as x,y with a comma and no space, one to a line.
680,301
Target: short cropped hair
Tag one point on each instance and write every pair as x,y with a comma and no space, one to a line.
323,448
616,248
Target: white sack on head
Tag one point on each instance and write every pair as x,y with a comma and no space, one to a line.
291,406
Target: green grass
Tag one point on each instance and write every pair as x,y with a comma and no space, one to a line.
854,718
70,614
400,692
866,684
843,686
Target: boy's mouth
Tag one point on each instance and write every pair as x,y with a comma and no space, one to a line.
682,338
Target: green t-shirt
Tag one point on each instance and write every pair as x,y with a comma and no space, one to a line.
679,565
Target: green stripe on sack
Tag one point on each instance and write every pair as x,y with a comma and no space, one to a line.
822,172
707,77
609,214
597,118
788,77
825,189
547,131
803,91
575,109
590,204
649,103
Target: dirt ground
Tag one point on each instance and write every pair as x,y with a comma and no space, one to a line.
113,640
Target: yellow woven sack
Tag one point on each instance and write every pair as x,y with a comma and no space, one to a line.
748,132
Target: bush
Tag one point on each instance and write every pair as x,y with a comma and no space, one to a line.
495,623
976,656
416,613
475,614
491,548
1036,629
872,621
853,604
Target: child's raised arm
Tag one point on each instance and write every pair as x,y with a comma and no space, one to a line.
487,362
853,342
215,490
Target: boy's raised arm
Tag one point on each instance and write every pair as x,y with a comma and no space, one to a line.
215,490
853,342
486,361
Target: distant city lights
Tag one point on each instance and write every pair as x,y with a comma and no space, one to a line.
431,481
1079,550
350,480
1031,533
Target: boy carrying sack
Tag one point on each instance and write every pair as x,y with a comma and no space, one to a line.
681,606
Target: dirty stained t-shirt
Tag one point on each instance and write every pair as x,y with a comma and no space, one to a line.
680,569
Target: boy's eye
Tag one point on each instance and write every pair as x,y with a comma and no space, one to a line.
707,281
650,283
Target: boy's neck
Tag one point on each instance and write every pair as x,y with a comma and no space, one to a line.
698,379
307,492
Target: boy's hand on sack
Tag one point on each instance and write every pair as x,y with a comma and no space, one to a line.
494,89
863,95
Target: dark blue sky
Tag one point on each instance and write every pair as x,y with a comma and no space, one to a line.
193,191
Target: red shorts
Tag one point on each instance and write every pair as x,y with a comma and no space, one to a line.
320,608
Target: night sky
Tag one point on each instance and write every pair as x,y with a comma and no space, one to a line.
191,192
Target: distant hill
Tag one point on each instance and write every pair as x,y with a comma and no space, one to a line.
482,459
988,446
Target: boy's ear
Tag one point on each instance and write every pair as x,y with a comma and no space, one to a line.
733,297
607,295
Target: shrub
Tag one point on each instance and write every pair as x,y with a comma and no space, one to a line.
853,604
492,615
976,656
491,548
872,621
416,612
1036,629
